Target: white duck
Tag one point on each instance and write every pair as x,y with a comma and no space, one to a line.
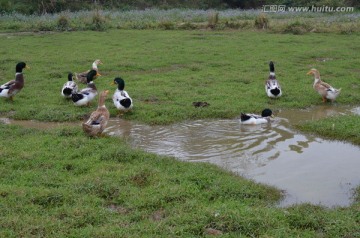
272,86
121,98
86,95
69,88
254,119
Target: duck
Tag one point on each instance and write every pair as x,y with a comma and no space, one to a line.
272,86
69,88
326,91
121,98
81,77
98,119
86,95
254,119
11,88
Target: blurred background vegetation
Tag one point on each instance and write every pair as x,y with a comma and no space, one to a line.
55,6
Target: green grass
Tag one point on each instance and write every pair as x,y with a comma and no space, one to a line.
344,128
59,183
165,71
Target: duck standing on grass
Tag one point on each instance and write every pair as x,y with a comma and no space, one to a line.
11,88
98,119
86,95
121,98
81,77
272,86
69,88
254,119
325,90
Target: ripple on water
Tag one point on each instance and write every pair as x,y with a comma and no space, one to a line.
309,168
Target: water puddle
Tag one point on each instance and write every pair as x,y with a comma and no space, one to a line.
307,168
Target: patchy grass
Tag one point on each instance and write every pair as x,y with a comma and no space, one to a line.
346,128
59,183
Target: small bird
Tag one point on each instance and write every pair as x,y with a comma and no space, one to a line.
11,88
98,119
86,95
69,88
254,119
121,98
272,86
81,77
326,91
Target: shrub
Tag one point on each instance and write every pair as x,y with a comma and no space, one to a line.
261,21
98,21
213,19
63,23
297,28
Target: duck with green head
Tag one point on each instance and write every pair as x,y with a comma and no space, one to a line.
254,119
121,98
11,88
86,95
69,88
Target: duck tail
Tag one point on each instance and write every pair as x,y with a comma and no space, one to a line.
272,67
67,91
76,97
244,117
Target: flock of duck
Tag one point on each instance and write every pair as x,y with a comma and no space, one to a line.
98,119
273,90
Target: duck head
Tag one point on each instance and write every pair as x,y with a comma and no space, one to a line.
120,83
314,72
91,75
20,66
267,113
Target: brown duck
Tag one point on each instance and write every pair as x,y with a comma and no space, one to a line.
98,119
324,89
11,88
81,77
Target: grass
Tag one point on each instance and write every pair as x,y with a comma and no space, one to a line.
219,67
344,128
102,188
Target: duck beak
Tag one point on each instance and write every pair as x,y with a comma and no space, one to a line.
27,67
97,74
308,73
113,83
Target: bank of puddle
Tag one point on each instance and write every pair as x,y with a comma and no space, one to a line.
307,168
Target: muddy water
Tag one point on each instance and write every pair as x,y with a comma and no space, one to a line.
307,168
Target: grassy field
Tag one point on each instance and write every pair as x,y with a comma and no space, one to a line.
165,71
59,183
103,188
